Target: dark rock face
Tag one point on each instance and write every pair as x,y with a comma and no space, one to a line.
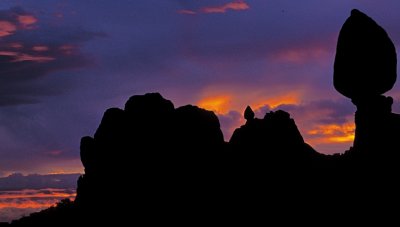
275,138
248,113
177,161
151,148
365,68
365,63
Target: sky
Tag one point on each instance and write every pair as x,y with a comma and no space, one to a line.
63,63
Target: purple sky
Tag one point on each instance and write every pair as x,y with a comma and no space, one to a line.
63,63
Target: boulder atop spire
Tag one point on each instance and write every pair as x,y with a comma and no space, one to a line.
248,113
365,63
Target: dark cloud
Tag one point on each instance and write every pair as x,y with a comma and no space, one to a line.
323,111
19,182
32,52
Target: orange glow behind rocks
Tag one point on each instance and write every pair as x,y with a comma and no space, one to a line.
316,134
333,133
219,104
33,198
273,102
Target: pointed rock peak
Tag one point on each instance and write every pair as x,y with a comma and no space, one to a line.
356,12
248,113
365,63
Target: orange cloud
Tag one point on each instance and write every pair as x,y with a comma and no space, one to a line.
7,28
186,11
54,152
235,5
16,45
333,133
273,102
27,20
219,104
15,204
301,55
10,27
33,198
19,57
229,104
28,57
40,48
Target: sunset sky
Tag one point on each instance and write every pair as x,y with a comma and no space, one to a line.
63,63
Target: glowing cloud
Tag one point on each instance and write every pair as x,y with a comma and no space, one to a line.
7,28
219,104
302,55
235,5
40,48
8,53
238,5
28,57
334,133
16,45
14,204
186,11
10,25
273,102
27,20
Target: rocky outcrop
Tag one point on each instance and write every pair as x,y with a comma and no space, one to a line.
365,68
152,148
274,142
249,114
365,63
178,156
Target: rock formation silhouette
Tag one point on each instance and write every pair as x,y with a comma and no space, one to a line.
153,163
275,141
365,62
176,160
364,69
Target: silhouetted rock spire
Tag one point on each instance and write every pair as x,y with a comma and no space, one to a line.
365,63
365,68
248,113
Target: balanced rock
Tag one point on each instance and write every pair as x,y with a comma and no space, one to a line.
249,113
365,63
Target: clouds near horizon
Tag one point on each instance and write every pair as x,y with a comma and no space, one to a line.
24,194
